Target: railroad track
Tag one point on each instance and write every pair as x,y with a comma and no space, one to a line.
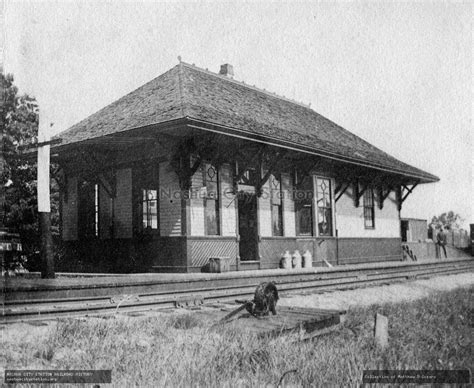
102,299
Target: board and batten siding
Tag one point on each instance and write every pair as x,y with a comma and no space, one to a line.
170,201
350,219
69,215
123,204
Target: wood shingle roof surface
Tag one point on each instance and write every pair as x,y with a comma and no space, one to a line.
186,91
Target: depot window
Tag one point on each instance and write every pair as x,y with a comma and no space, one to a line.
369,209
211,199
276,204
304,207
324,206
150,209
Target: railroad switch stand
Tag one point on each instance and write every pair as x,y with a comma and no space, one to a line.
264,302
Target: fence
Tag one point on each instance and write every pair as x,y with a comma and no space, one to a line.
456,238
429,250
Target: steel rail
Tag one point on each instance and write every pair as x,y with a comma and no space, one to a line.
317,279
105,290
27,310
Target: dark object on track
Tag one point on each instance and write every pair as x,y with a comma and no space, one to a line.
264,301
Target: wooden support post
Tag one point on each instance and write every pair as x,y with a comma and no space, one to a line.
355,192
3,165
47,258
383,195
398,193
381,330
364,189
258,184
380,196
44,206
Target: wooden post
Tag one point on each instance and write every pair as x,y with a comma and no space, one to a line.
44,206
3,166
381,330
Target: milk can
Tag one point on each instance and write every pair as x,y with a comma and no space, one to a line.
307,259
296,259
286,260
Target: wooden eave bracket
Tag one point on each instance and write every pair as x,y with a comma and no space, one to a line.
180,161
277,159
357,193
305,173
341,188
244,167
195,165
383,194
185,171
401,197
409,191
203,150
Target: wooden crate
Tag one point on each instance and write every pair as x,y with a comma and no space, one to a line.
219,264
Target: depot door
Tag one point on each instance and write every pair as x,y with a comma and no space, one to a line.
248,232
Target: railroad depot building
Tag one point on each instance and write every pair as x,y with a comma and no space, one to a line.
195,165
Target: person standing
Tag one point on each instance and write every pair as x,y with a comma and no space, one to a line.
442,241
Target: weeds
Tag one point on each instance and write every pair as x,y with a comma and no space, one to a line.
184,321
181,351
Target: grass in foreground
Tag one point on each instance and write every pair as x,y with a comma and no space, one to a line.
432,333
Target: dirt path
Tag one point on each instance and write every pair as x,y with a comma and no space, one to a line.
406,291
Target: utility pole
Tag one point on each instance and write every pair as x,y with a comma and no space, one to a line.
44,204
3,165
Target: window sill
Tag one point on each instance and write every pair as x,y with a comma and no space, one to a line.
207,237
147,233
249,261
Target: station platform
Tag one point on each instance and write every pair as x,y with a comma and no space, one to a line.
13,286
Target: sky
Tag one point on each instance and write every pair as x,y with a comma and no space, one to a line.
398,74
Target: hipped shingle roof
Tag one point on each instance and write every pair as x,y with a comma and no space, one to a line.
186,91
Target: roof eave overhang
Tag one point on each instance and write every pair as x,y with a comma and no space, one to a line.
112,138
199,124
209,126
